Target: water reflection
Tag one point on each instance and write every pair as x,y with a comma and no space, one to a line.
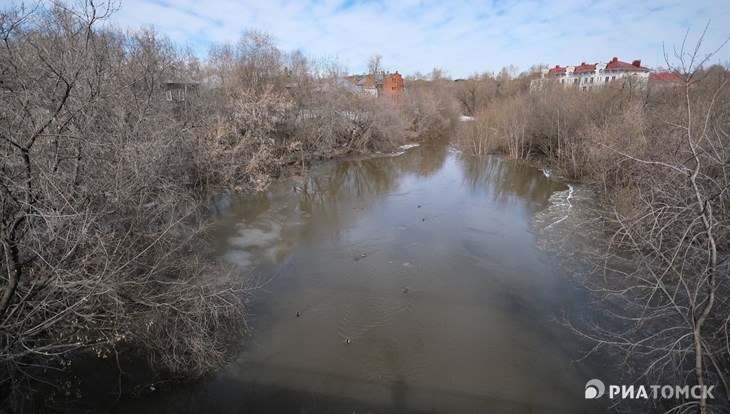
506,179
325,201
369,178
419,288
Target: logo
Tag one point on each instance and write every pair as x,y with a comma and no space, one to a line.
595,389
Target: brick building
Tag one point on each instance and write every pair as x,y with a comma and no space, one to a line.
391,87
387,86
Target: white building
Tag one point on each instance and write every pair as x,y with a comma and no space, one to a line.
587,76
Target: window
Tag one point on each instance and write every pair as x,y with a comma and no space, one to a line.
591,79
181,95
169,95
575,80
613,77
606,78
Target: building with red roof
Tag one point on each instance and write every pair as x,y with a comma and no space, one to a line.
384,85
665,77
590,75
391,87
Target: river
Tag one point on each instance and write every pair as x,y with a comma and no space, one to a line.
409,282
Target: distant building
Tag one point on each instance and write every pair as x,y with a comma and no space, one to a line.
179,90
588,76
338,84
665,77
389,86
367,84
180,94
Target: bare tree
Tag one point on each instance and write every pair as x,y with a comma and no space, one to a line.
375,63
673,222
99,211
469,94
438,74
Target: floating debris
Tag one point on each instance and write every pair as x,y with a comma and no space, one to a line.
430,217
363,255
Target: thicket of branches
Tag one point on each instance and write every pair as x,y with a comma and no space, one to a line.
104,181
99,213
660,158
669,192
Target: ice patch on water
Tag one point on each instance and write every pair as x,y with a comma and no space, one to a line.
408,146
253,241
255,237
569,223
238,257
570,206
571,230
403,149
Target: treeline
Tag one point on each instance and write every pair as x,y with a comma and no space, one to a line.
658,155
111,144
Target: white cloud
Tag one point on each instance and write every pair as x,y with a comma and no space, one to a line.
463,38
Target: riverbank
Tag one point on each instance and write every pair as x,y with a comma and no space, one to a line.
655,159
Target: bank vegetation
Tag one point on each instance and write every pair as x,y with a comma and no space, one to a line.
658,156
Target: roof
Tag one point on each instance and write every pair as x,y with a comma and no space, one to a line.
363,80
665,77
369,81
584,67
616,64
336,84
557,69
391,76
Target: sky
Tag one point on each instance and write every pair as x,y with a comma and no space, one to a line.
462,37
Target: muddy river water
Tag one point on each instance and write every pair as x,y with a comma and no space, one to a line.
412,282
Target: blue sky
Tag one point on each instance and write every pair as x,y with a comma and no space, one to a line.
462,37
